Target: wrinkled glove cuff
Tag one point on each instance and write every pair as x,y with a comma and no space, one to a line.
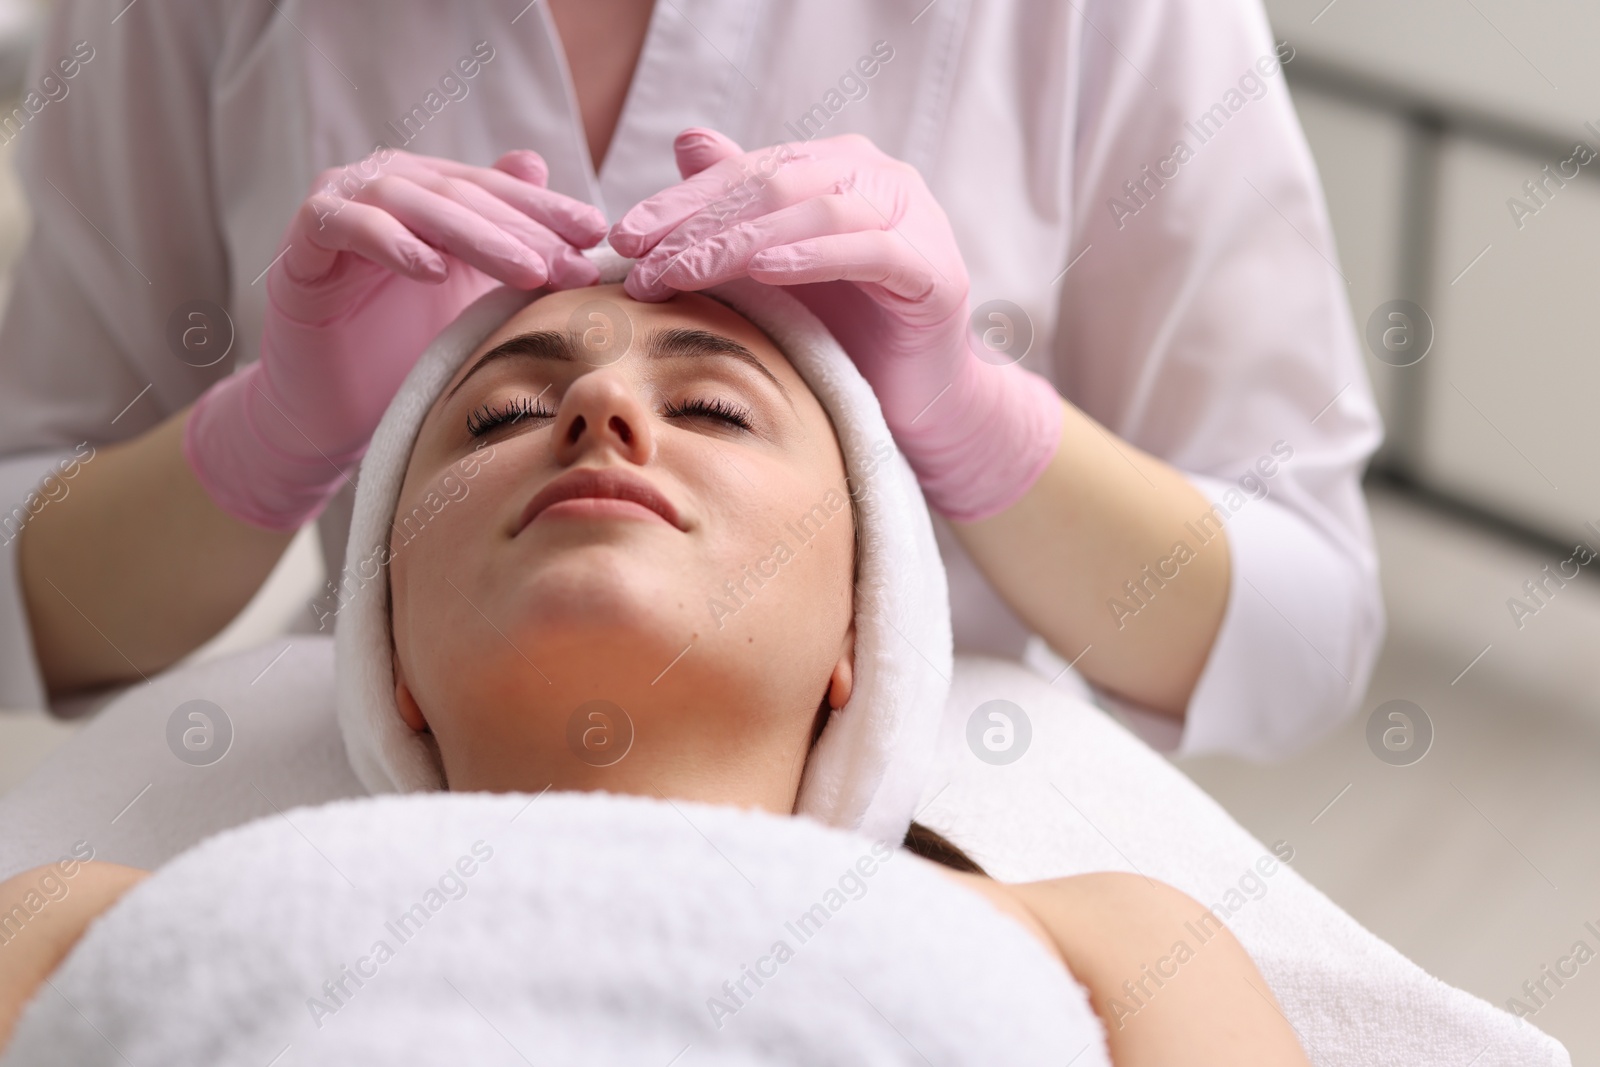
243,471
983,443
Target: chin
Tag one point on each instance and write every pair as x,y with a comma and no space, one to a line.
602,593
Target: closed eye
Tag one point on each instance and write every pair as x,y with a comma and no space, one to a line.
715,408
492,416
489,417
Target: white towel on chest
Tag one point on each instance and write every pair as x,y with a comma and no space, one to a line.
571,928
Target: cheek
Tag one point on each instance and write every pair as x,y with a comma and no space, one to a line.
436,543
783,571
439,528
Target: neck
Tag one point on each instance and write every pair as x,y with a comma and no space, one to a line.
647,743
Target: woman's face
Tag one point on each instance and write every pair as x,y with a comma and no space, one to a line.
624,569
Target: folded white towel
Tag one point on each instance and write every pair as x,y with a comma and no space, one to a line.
871,762
565,929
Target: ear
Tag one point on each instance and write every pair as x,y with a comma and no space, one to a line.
410,711
842,683
698,148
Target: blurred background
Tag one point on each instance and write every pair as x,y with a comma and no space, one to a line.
1478,860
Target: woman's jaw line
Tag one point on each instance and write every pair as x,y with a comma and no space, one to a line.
683,719
661,760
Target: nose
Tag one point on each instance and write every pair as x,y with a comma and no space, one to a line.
601,410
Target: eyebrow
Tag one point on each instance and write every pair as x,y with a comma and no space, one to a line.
675,343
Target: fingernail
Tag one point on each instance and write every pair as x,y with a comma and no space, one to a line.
428,262
573,272
625,243
593,226
637,288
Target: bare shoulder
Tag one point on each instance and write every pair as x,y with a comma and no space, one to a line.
1003,896
1065,912
1096,892
1168,980
1084,917
1117,891
1114,913
43,914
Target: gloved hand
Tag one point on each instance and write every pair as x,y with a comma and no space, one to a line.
379,258
873,255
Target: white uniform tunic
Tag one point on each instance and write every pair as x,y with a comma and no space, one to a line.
1130,173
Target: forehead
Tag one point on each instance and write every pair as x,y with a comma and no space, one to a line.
613,325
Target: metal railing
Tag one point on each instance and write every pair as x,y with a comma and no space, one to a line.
1428,120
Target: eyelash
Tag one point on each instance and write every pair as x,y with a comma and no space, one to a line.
715,408
487,418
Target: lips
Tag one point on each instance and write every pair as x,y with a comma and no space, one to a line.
606,483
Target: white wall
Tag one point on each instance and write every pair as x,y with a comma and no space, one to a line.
1500,412
1529,60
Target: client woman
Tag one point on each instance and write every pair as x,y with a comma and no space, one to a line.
620,495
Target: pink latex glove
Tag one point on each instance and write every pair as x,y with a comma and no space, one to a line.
841,212
379,258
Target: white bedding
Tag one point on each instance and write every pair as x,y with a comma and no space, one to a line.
1085,796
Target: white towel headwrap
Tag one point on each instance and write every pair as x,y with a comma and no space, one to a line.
869,766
